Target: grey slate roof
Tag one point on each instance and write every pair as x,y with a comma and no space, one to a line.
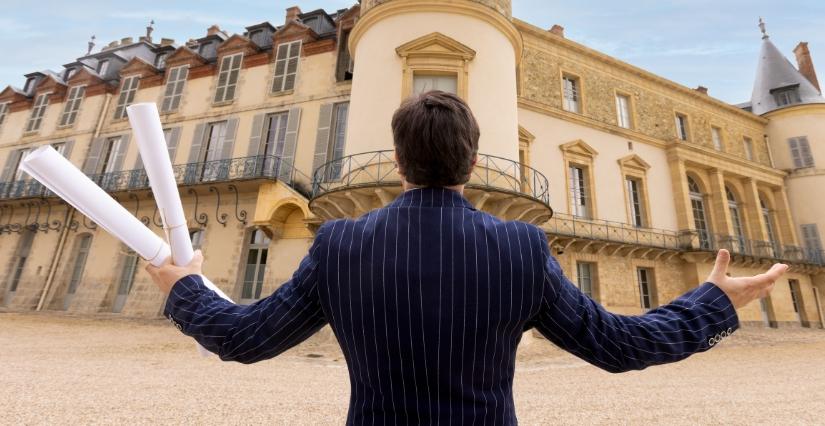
774,71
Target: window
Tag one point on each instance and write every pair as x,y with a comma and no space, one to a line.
747,145
60,147
81,254
716,135
338,138
111,150
697,204
102,67
286,66
127,278
767,216
623,111
160,61
571,94
584,275
801,152
682,127
794,287
127,94
174,88
275,135
228,78
72,105
18,173
4,111
255,267
646,297
736,221
426,82
634,195
810,234
69,73
196,236
786,95
23,251
579,191
215,140
344,68
39,110
28,86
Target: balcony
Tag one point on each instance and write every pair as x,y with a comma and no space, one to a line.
209,172
751,250
353,185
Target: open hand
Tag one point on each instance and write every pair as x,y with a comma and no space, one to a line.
168,274
743,290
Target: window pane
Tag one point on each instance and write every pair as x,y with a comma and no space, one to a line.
424,83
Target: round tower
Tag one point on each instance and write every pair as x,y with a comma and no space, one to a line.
403,47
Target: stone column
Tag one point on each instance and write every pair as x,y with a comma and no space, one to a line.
723,225
785,223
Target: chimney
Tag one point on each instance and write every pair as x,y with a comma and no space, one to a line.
557,30
806,64
167,41
292,14
125,40
214,29
702,89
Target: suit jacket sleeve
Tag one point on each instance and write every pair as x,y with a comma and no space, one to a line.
692,323
254,332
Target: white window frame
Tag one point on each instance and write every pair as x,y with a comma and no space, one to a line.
645,282
584,277
230,72
102,67
4,111
38,111
682,128
623,114
571,93
72,106
635,201
292,55
579,188
173,91
128,88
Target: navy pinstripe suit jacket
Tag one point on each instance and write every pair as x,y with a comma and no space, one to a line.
429,298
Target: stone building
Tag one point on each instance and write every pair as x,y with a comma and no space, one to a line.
637,180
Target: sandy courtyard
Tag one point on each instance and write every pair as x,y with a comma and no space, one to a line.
62,369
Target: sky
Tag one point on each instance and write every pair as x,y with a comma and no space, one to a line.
713,43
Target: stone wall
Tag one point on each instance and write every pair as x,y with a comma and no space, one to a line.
504,7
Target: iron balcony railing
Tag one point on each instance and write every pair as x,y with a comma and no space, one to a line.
617,232
705,241
233,169
378,168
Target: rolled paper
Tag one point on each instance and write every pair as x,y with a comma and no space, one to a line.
64,179
151,142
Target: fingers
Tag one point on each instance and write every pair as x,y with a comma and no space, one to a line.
772,275
720,268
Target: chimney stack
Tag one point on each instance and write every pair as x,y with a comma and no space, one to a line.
806,64
167,41
702,89
557,30
292,14
214,29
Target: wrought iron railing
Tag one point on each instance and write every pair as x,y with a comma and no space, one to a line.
233,169
379,168
738,245
617,232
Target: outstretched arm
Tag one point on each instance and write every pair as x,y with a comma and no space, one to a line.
240,333
616,343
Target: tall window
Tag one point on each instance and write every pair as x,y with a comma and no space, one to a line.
697,204
747,145
81,254
19,174
24,248
39,110
215,139
128,88
286,66
682,127
160,61
174,88
767,216
102,68
716,135
645,278
72,105
60,147
786,95
623,111
4,111
810,234
127,278
736,220
338,137
579,192
584,275
255,266
228,78
111,149
196,236
572,95
801,152
795,299
345,64
634,198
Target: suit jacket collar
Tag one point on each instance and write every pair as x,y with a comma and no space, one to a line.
431,197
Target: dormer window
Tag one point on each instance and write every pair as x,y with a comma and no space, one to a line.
787,95
69,73
28,86
102,67
160,61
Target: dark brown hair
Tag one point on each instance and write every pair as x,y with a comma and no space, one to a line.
436,139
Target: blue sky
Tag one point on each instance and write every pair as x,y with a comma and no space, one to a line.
712,43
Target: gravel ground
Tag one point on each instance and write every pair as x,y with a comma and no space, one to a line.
103,370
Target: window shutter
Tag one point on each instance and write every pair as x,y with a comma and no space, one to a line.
290,143
93,157
280,68
254,148
123,146
228,144
11,166
195,154
172,143
793,144
322,138
292,66
67,151
805,152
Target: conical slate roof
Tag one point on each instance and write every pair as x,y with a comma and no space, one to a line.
775,71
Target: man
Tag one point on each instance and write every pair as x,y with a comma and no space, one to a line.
429,297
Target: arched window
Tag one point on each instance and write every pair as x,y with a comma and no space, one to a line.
697,204
82,245
255,268
736,221
767,215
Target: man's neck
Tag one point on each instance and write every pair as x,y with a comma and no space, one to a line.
457,188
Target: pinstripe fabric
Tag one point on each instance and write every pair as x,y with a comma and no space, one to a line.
428,299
